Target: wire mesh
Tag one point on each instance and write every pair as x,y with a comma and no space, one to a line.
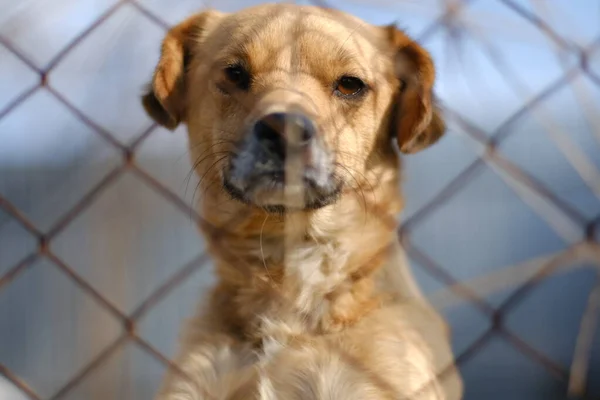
569,222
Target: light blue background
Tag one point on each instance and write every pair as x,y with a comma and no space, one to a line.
131,239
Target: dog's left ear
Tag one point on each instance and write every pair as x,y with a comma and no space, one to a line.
164,100
417,122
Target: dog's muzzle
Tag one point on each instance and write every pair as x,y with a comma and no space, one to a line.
282,163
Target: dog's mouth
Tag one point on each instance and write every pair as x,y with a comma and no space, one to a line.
282,164
269,190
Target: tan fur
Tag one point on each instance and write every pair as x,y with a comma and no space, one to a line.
313,304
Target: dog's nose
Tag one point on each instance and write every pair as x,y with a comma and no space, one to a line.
279,130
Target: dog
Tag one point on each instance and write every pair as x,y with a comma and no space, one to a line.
296,116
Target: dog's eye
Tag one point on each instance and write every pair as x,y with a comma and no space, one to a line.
349,86
238,75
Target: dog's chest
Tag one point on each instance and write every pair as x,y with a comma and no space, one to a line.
301,277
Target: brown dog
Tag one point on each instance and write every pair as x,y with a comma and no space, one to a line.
291,112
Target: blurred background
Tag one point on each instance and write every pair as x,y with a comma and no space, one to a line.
100,260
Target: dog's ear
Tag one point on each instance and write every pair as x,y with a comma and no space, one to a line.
417,122
164,100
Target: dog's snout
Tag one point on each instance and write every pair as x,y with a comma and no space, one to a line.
278,130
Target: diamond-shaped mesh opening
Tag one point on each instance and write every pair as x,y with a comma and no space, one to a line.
126,42
70,159
175,308
69,320
100,262
485,201
128,373
490,70
533,147
498,367
41,30
129,219
550,329
575,24
427,174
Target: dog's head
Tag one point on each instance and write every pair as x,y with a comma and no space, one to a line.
289,106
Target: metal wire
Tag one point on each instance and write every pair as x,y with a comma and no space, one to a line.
490,155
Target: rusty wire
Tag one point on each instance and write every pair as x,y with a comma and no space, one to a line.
489,156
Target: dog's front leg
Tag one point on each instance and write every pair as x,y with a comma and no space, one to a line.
208,367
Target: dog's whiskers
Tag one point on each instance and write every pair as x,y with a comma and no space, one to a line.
262,252
213,165
199,162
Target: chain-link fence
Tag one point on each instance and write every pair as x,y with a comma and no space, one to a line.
100,261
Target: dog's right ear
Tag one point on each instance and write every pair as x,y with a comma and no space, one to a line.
418,122
165,99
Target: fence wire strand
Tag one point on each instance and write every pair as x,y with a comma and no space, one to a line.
567,221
